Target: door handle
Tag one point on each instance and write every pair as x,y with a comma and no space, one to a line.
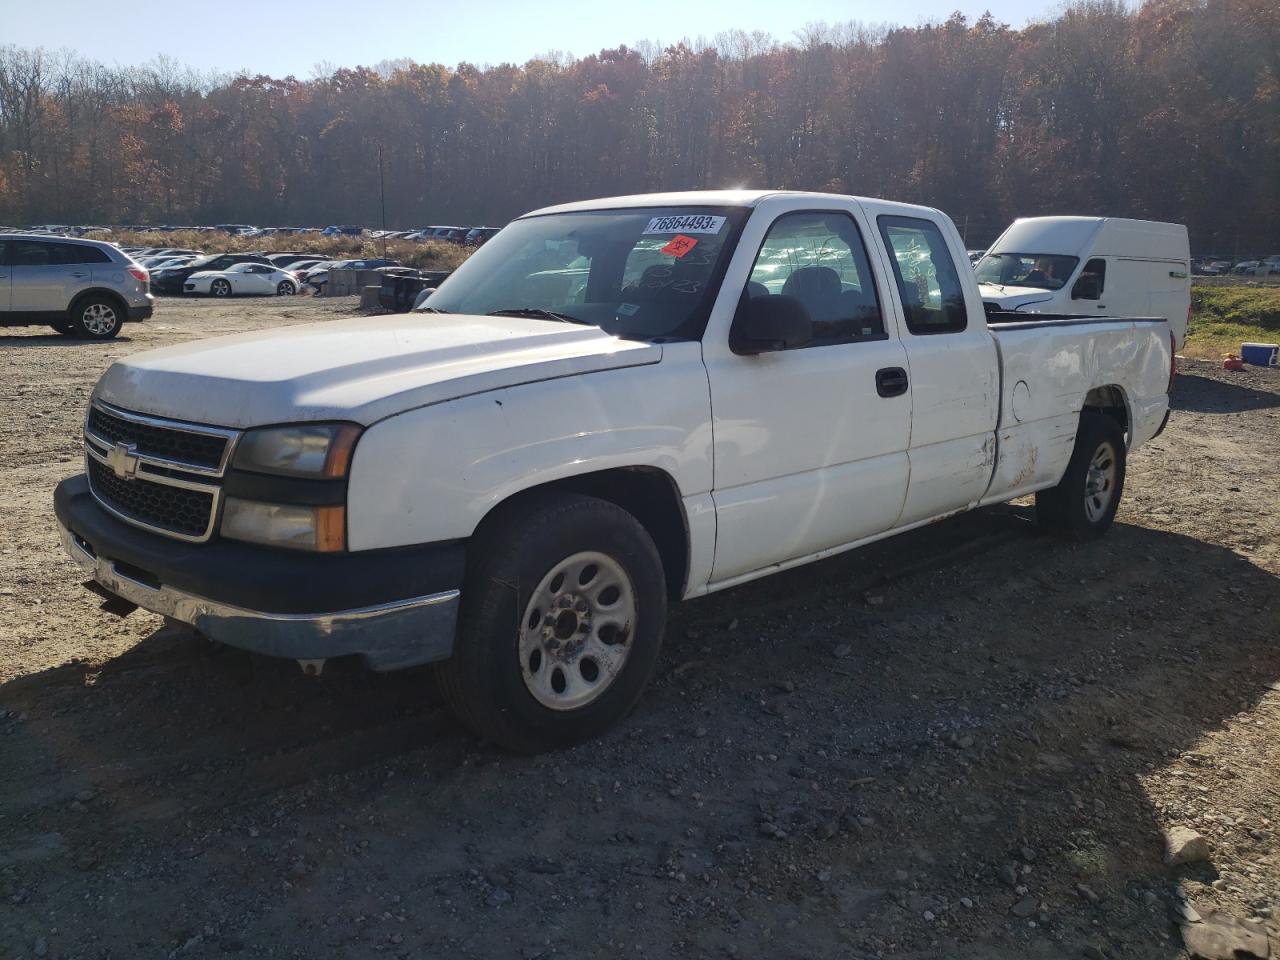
79,276
891,382
1102,306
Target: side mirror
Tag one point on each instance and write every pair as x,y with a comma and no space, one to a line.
765,324
1087,287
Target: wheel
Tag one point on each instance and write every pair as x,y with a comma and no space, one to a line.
285,289
1083,505
564,607
95,318
220,288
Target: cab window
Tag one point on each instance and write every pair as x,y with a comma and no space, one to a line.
819,259
1092,280
932,297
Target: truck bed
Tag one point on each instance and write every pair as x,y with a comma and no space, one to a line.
1048,366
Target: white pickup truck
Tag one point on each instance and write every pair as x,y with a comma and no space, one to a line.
611,405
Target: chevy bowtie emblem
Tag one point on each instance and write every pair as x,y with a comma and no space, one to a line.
122,461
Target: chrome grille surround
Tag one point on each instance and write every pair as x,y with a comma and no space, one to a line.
152,467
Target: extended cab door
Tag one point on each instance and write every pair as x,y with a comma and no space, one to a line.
952,362
809,442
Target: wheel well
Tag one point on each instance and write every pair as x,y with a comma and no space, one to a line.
1109,401
108,294
649,495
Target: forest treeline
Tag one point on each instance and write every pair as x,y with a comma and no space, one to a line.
1169,111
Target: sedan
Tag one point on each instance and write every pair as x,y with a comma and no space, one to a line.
243,278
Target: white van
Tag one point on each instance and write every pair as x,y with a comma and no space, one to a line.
1092,266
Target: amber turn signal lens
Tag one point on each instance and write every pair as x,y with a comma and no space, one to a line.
331,529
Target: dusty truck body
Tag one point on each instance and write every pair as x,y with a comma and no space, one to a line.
611,405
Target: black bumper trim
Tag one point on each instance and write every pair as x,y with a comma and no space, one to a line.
263,578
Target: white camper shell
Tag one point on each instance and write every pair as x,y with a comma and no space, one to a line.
1092,266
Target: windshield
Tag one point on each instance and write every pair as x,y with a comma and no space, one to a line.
1044,271
640,273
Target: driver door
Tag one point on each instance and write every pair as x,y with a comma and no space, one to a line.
810,443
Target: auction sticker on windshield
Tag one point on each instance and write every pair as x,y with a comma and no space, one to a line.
679,246
690,223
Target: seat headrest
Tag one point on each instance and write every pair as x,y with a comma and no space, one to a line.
812,281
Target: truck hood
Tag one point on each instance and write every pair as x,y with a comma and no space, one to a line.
361,369
1013,298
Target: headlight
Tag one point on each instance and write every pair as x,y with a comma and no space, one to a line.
320,450
321,529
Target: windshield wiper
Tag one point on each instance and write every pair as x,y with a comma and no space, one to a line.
538,313
430,310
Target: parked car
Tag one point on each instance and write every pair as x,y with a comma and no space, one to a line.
1246,267
346,231
1098,266
479,235
515,489
287,259
173,279
82,288
257,279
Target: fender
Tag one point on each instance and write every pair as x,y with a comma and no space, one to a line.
433,473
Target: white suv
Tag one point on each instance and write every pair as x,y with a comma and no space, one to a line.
81,288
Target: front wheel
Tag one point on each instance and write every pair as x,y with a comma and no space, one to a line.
1083,505
220,288
564,608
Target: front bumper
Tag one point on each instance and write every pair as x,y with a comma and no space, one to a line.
393,608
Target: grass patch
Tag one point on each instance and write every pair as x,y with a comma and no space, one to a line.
1224,317
423,256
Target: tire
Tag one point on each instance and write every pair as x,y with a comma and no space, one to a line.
96,318
285,289
603,641
1083,505
220,288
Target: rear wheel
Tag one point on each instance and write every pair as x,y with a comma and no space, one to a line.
285,289
95,318
1083,505
220,288
564,608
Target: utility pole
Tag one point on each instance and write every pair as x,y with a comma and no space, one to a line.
382,191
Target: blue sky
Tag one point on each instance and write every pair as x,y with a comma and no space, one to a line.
296,37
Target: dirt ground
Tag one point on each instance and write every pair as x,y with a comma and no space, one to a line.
965,742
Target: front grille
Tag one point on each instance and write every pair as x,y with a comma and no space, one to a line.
165,443
174,509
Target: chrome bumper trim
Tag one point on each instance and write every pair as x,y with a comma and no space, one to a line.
388,636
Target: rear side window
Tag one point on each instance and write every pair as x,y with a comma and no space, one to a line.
69,253
932,297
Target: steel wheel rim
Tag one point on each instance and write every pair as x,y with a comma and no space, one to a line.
99,318
1100,482
576,633
221,288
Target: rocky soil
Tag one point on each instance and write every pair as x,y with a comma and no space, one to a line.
971,741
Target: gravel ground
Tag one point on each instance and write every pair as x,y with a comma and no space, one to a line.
966,742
